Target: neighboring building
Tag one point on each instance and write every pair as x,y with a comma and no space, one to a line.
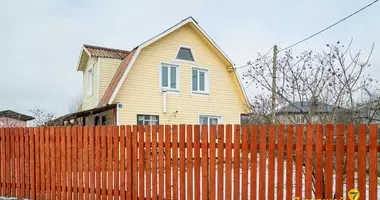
177,77
316,112
9,118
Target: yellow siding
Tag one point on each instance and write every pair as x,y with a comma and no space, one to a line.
91,101
108,68
141,92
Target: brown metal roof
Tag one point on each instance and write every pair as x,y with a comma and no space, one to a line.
15,115
116,79
106,52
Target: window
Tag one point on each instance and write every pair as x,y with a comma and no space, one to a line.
147,120
90,77
209,120
104,120
200,80
185,54
169,77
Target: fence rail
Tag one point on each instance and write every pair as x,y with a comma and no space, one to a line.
190,162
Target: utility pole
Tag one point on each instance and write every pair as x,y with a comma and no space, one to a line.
274,86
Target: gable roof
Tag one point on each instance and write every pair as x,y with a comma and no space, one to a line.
89,51
15,115
128,61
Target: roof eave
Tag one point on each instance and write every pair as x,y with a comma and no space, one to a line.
80,58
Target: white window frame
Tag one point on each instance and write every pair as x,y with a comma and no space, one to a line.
168,88
90,81
219,118
300,119
207,80
149,120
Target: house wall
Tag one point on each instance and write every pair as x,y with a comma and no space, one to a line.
141,91
90,120
10,122
108,67
91,101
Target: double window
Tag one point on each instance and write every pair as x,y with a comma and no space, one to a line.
147,120
169,77
200,80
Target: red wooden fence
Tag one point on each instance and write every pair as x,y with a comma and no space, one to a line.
190,162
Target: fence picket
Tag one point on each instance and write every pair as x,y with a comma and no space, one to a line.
74,163
350,158
212,161
129,163
271,161
154,162
115,137
97,161
63,162
299,159
280,162
122,163
42,157
309,160
167,161
244,183
189,161
289,162
220,161
91,134
17,159
254,131
3,180
161,162
197,173
362,129
236,162
148,163
85,162
329,160
32,173
134,164
109,161
228,179
22,163
175,161
204,149
262,176
319,161
182,155
53,161
69,165
373,161
8,160
339,162
104,149
80,162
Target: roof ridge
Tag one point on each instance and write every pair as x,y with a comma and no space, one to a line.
105,48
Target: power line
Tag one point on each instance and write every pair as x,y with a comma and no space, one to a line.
255,61
323,30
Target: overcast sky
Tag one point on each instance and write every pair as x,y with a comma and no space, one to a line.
40,41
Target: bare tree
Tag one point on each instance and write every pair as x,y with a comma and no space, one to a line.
75,104
42,116
327,87
334,81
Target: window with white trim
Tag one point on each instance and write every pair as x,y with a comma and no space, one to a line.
210,120
200,80
90,79
169,77
148,120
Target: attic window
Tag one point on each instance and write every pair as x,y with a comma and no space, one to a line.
185,54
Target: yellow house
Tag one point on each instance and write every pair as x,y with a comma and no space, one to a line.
177,77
